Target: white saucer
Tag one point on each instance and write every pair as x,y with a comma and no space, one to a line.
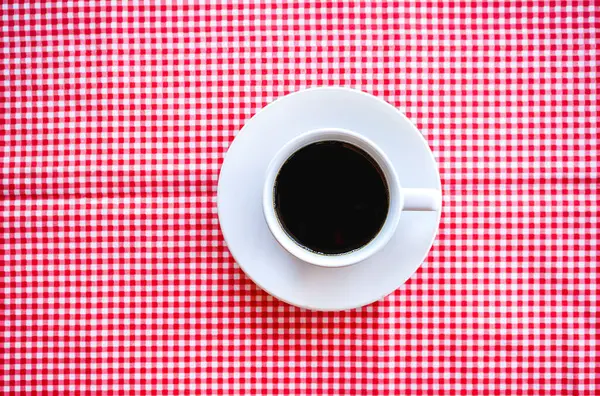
239,199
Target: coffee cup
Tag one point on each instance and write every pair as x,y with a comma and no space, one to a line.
359,214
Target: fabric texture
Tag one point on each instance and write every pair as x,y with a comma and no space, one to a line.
115,119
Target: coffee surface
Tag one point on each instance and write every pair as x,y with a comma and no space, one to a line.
331,197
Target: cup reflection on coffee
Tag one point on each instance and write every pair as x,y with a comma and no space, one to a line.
331,197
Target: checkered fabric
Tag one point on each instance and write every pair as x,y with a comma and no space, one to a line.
115,276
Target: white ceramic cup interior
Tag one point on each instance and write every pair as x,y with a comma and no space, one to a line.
400,198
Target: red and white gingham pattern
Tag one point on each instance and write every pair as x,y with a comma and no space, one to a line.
115,277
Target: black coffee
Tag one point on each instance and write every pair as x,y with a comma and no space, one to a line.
331,197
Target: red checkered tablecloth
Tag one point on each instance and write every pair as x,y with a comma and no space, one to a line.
115,276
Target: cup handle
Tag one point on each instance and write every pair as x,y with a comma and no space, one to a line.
422,199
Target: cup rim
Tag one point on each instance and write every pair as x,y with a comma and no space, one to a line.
342,259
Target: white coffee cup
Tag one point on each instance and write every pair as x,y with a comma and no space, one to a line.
400,198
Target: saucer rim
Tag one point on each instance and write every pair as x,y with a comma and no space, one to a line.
355,304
